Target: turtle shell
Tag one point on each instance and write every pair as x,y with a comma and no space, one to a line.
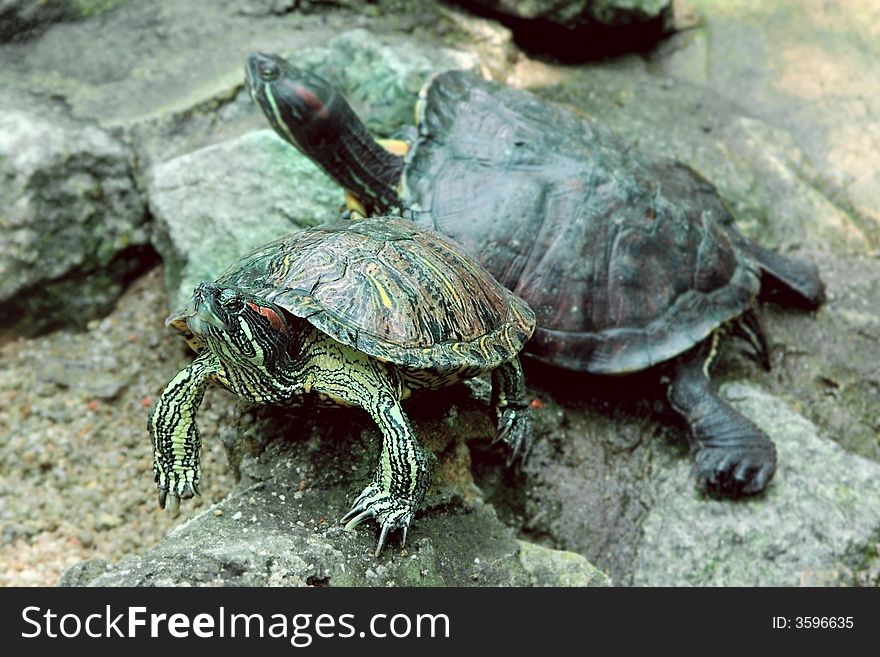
626,260
391,289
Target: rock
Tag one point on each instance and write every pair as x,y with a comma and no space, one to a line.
280,526
808,68
101,383
73,229
631,506
815,525
273,544
84,572
21,19
214,205
559,568
577,13
381,75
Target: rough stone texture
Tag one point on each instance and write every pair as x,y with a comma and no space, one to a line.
381,75
579,12
807,67
252,540
299,471
559,568
20,19
814,526
214,205
76,477
73,225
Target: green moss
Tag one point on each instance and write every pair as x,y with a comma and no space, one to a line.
85,8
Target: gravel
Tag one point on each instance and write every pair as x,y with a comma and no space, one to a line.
76,476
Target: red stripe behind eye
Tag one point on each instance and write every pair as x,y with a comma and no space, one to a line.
311,100
274,319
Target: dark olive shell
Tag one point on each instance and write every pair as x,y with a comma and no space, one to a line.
626,260
390,289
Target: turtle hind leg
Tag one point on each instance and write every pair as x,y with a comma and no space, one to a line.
513,410
733,457
784,280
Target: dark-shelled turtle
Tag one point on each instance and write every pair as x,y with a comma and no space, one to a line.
629,261
361,314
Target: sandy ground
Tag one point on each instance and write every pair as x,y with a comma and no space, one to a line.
75,459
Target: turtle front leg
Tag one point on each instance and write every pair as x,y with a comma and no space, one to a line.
174,433
401,478
733,456
512,408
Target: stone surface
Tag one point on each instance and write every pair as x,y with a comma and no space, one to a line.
22,19
381,75
806,67
559,568
73,224
216,204
579,12
816,525
280,525
251,540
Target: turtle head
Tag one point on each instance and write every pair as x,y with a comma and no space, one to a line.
300,105
313,116
237,326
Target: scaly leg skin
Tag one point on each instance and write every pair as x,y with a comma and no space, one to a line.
733,456
174,433
401,478
512,407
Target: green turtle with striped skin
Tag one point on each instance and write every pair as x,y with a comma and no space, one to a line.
360,314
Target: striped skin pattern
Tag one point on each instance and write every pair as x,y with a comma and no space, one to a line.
299,316
172,426
630,261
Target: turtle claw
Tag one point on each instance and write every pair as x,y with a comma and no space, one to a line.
390,511
170,500
355,517
173,504
734,472
515,431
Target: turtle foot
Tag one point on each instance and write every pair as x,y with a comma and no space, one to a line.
390,511
170,499
735,470
515,431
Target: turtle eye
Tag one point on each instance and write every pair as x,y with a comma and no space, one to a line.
268,71
230,300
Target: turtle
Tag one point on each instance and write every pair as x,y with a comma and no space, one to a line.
630,261
359,314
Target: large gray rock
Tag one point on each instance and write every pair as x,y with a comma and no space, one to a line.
816,525
808,69
299,471
214,205
381,75
575,13
252,539
74,225
21,19
621,492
